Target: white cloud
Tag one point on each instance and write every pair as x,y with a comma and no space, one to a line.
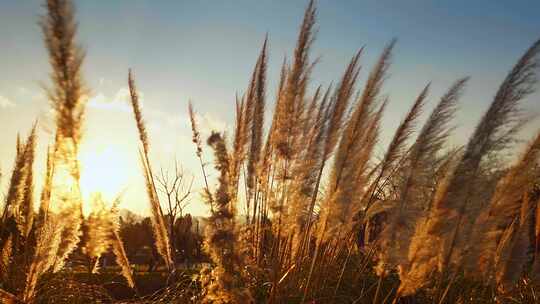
121,101
208,122
6,103
28,95
97,99
23,91
123,96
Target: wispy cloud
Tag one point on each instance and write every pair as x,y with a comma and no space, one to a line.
119,102
6,103
209,123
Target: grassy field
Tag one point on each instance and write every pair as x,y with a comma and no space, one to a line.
302,210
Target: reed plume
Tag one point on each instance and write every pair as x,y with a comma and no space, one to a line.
340,102
17,218
48,228
66,58
255,116
329,132
19,200
309,226
7,251
505,208
196,139
305,173
70,234
118,245
239,145
512,254
99,224
27,208
224,284
158,223
104,233
407,209
272,137
44,257
354,150
355,126
67,99
290,109
445,233
45,197
395,151
135,105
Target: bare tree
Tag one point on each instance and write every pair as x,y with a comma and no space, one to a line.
176,188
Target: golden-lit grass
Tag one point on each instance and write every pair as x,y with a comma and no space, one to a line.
303,211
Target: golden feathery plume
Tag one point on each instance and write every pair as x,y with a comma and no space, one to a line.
118,245
338,208
404,213
66,58
225,283
67,98
196,139
397,146
354,149
239,144
503,210
5,258
306,171
340,103
334,115
45,198
98,223
512,252
290,109
356,125
395,151
48,230
447,230
158,223
19,200
27,207
257,116
135,105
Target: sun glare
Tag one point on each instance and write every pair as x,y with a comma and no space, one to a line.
104,170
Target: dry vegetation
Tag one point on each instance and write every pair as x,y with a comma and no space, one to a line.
302,211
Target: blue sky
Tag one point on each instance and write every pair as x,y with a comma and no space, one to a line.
205,50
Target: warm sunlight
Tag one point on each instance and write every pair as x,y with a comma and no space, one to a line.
208,152
106,170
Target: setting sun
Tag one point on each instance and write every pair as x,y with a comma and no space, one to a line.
106,170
